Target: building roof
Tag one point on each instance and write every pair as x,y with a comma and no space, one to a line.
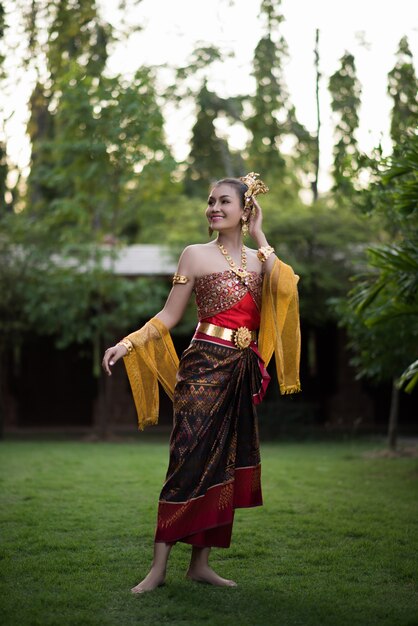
142,260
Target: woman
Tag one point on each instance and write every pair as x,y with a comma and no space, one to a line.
214,463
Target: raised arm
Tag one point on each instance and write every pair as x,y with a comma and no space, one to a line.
173,309
257,233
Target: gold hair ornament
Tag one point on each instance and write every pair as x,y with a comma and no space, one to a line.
255,186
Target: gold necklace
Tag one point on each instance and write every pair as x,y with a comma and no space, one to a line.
239,271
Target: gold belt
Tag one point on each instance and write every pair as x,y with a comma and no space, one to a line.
241,337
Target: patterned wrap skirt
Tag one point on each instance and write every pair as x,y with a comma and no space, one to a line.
214,463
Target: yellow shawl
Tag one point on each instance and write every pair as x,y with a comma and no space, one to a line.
154,358
279,325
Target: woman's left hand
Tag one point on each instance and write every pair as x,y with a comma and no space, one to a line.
255,223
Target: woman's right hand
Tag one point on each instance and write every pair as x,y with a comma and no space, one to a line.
112,355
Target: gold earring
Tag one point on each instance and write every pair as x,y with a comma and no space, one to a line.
244,228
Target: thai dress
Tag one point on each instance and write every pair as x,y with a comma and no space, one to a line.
214,465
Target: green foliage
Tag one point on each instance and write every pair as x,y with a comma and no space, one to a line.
66,295
103,134
272,117
198,63
382,309
380,351
345,91
322,243
403,88
92,134
176,220
269,103
306,148
409,378
40,130
97,143
210,157
77,35
2,20
2,29
4,169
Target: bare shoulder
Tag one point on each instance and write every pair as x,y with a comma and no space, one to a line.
201,250
251,252
194,250
254,263
193,258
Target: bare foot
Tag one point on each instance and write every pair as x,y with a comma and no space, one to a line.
205,574
151,581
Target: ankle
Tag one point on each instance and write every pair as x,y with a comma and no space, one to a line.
198,565
199,556
158,569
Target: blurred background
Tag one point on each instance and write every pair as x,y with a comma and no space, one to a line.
115,119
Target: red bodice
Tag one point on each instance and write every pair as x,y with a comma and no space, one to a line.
223,299
244,313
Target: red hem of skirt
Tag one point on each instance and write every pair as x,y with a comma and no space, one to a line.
221,538
180,521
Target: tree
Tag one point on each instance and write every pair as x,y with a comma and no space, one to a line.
4,168
91,133
40,130
272,118
323,243
315,141
267,122
77,34
403,87
91,136
210,157
104,134
381,313
345,91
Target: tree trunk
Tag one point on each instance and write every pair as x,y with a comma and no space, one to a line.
2,393
101,405
101,409
318,117
393,417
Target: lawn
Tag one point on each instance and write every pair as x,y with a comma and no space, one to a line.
336,542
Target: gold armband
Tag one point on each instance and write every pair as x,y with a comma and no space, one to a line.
127,343
178,279
264,252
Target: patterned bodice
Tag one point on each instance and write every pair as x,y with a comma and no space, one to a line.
219,291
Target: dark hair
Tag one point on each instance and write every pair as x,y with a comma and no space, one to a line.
239,186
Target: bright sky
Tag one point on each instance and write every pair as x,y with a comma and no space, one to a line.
369,29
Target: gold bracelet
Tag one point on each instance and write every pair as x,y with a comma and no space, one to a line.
264,252
127,343
178,279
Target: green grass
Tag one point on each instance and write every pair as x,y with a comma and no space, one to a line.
336,542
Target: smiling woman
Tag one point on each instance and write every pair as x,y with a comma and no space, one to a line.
225,201
214,465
